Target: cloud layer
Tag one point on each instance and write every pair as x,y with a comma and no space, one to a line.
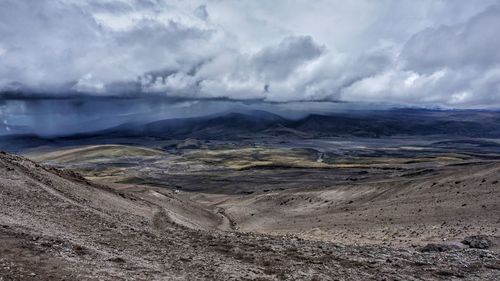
415,52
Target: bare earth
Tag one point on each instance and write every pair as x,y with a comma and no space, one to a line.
457,202
57,225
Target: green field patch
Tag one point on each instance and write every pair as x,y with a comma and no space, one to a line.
94,153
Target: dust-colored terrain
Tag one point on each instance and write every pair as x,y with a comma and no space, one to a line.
456,201
403,196
56,225
325,209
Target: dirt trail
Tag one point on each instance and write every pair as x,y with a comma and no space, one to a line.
227,222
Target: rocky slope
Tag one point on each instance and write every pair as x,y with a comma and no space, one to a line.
55,225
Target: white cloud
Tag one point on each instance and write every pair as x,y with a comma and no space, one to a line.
455,65
421,52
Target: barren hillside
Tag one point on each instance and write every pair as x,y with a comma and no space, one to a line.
55,225
448,202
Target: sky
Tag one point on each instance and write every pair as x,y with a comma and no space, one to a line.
428,53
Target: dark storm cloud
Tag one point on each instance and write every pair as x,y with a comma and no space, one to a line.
278,62
201,12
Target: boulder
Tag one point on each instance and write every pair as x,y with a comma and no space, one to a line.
442,247
478,242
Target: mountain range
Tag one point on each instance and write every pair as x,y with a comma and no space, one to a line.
262,124
359,124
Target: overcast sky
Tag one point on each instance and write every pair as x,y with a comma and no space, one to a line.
425,52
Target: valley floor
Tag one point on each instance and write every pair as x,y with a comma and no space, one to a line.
252,213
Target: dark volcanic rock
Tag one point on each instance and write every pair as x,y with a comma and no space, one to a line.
478,242
442,247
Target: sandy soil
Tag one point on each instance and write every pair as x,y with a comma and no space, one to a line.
456,201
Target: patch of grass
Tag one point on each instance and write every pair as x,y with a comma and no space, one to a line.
94,153
108,175
258,157
261,157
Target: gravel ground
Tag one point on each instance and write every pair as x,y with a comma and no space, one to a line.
55,225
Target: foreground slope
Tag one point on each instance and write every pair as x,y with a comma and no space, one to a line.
55,225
